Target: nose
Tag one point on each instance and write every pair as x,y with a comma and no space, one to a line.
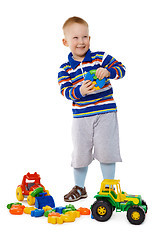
81,41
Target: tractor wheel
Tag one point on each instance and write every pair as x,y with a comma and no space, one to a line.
19,194
136,215
101,210
30,200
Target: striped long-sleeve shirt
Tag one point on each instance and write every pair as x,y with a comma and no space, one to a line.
72,74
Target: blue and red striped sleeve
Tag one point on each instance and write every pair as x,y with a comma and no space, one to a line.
66,87
116,69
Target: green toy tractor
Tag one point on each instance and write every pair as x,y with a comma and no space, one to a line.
110,197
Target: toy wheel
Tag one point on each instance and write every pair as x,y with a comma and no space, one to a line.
101,210
136,215
19,194
30,200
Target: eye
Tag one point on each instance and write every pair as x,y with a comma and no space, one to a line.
75,37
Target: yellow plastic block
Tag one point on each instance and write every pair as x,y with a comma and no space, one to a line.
75,214
47,208
68,217
63,218
28,210
52,219
60,220
55,220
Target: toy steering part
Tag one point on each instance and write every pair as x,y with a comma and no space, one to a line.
37,192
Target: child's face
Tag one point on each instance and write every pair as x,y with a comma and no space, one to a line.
77,39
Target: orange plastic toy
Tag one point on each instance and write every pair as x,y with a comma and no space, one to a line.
17,209
56,214
84,211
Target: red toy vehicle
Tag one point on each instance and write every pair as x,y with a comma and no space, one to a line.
29,183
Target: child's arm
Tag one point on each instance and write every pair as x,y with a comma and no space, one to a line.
66,87
113,67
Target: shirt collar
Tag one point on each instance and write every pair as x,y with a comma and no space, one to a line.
75,63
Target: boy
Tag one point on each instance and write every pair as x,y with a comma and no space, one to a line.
95,126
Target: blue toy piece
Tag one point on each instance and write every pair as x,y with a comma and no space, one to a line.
99,83
59,209
37,213
89,76
42,200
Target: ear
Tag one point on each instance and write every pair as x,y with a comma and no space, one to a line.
65,43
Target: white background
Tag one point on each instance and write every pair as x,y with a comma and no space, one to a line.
35,120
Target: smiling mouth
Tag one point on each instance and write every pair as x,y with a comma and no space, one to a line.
81,47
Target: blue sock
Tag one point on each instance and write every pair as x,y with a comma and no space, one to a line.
80,176
108,170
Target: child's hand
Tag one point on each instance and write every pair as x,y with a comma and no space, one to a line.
87,87
102,72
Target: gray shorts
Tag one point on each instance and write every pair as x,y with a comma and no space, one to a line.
95,137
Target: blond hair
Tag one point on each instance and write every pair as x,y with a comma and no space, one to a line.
74,19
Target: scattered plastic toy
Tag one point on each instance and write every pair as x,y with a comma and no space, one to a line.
59,209
28,210
49,211
56,214
69,208
37,213
47,208
111,198
67,217
17,209
10,204
84,211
